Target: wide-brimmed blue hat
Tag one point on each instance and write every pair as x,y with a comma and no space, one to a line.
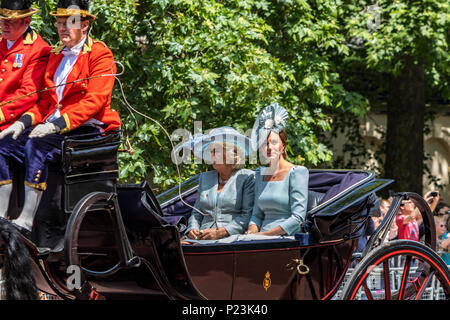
271,118
201,143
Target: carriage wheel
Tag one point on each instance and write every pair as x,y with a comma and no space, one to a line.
93,261
399,270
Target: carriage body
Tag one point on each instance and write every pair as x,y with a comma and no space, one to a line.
127,244
340,205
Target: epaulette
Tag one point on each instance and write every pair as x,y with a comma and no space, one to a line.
87,47
57,50
29,37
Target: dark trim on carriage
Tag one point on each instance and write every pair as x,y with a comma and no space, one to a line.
251,246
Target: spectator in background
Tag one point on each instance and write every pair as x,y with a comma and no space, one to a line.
406,221
384,208
393,232
432,198
443,239
441,208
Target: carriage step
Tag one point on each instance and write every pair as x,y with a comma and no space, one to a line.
46,253
42,252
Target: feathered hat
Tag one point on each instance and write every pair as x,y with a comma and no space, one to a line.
67,8
16,9
271,118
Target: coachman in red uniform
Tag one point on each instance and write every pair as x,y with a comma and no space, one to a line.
72,108
23,59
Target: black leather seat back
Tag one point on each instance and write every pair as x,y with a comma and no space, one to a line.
89,165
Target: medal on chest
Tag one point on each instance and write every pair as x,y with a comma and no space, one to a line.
18,60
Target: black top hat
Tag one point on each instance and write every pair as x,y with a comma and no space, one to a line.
16,9
68,8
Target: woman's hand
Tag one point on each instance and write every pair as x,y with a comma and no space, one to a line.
213,234
445,244
253,228
432,201
276,231
194,234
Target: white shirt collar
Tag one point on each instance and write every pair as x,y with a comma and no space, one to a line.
10,43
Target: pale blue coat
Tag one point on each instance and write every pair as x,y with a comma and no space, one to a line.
281,203
231,208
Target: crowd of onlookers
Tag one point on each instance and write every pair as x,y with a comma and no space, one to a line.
409,224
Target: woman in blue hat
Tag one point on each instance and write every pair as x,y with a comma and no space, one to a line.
225,194
281,189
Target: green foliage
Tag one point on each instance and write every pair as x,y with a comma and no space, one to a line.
219,62
395,32
383,36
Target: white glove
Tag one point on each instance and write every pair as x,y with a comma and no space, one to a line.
15,129
43,129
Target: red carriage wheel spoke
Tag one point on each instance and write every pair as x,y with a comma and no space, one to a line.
404,278
387,280
417,257
424,285
416,283
367,291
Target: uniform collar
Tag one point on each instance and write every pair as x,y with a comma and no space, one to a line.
28,38
86,45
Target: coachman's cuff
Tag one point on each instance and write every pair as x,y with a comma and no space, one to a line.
39,186
63,123
36,181
28,119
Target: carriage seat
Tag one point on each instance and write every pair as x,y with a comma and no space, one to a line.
89,165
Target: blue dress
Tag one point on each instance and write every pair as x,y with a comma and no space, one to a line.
281,203
231,208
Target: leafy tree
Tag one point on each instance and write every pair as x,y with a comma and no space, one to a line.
308,38
218,63
403,44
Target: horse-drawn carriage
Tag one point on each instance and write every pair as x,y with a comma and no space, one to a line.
94,238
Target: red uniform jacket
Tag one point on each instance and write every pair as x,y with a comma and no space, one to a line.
21,72
83,100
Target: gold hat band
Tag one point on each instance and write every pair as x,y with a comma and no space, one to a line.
17,14
64,12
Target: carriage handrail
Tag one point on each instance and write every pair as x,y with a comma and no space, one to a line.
378,237
127,258
171,198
